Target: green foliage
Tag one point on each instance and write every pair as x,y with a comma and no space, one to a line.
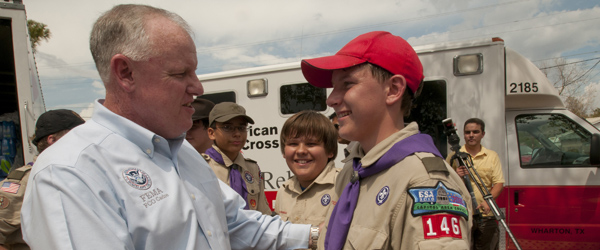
37,32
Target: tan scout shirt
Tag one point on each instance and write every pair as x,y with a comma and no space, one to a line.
383,216
487,165
311,205
250,173
11,199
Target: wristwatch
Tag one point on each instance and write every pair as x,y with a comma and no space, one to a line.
314,237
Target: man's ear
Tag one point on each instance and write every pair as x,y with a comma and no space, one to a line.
395,89
122,68
211,133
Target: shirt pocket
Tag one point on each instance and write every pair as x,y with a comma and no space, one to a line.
360,237
443,245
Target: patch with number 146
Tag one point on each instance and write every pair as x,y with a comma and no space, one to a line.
441,225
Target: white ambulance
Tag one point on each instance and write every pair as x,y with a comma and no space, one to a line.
21,100
549,155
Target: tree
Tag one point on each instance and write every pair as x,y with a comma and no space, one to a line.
37,32
595,113
572,81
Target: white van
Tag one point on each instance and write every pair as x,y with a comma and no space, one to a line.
550,197
21,100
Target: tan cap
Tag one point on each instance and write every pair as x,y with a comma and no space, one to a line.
202,107
226,111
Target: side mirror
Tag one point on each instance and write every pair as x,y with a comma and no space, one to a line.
595,150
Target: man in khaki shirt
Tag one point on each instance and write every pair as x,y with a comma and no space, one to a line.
49,127
487,164
228,125
398,193
309,148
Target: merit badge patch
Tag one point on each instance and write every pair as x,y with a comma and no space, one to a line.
4,202
382,196
249,177
438,199
10,187
253,203
441,225
137,178
325,199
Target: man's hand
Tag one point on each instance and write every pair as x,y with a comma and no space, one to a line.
485,207
462,171
2,247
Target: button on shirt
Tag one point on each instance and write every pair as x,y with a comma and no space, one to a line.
112,184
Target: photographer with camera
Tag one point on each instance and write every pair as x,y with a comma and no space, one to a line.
487,163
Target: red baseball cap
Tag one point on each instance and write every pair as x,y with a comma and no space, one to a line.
381,48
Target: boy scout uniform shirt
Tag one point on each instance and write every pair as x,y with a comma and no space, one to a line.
11,199
386,216
250,173
487,164
311,205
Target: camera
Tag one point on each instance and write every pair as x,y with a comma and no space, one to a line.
450,132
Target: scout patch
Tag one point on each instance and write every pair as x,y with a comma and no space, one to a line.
382,196
10,187
137,178
253,203
4,202
249,177
441,225
438,199
325,199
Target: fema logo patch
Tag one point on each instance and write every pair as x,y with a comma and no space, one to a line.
382,196
249,177
438,199
137,178
325,199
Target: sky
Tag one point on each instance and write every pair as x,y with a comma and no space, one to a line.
237,34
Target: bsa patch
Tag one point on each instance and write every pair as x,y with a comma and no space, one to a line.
249,177
441,225
435,200
137,178
253,203
382,196
4,202
325,199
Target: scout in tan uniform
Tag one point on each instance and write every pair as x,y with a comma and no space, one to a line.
398,192
228,125
309,147
49,127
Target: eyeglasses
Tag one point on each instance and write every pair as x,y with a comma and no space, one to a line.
231,129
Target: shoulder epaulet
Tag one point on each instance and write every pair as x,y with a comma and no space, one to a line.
206,157
434,164
17,174
250,160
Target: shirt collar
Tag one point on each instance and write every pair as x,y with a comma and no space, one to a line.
382,147
325,177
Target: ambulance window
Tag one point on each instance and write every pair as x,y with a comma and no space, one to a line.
297,97
552,140
429,111
220,97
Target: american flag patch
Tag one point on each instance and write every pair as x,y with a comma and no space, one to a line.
10,187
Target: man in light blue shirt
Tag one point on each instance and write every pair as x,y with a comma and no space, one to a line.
127,179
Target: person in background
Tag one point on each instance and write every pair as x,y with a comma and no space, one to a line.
125,179
334,120
198,134
49,128
309,147
487,164
398,193
228,129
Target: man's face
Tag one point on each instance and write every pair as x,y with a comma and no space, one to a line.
306,157
359,102
166,83
198,137
337,127
230,142
473,134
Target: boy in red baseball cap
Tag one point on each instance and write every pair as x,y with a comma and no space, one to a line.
397,192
